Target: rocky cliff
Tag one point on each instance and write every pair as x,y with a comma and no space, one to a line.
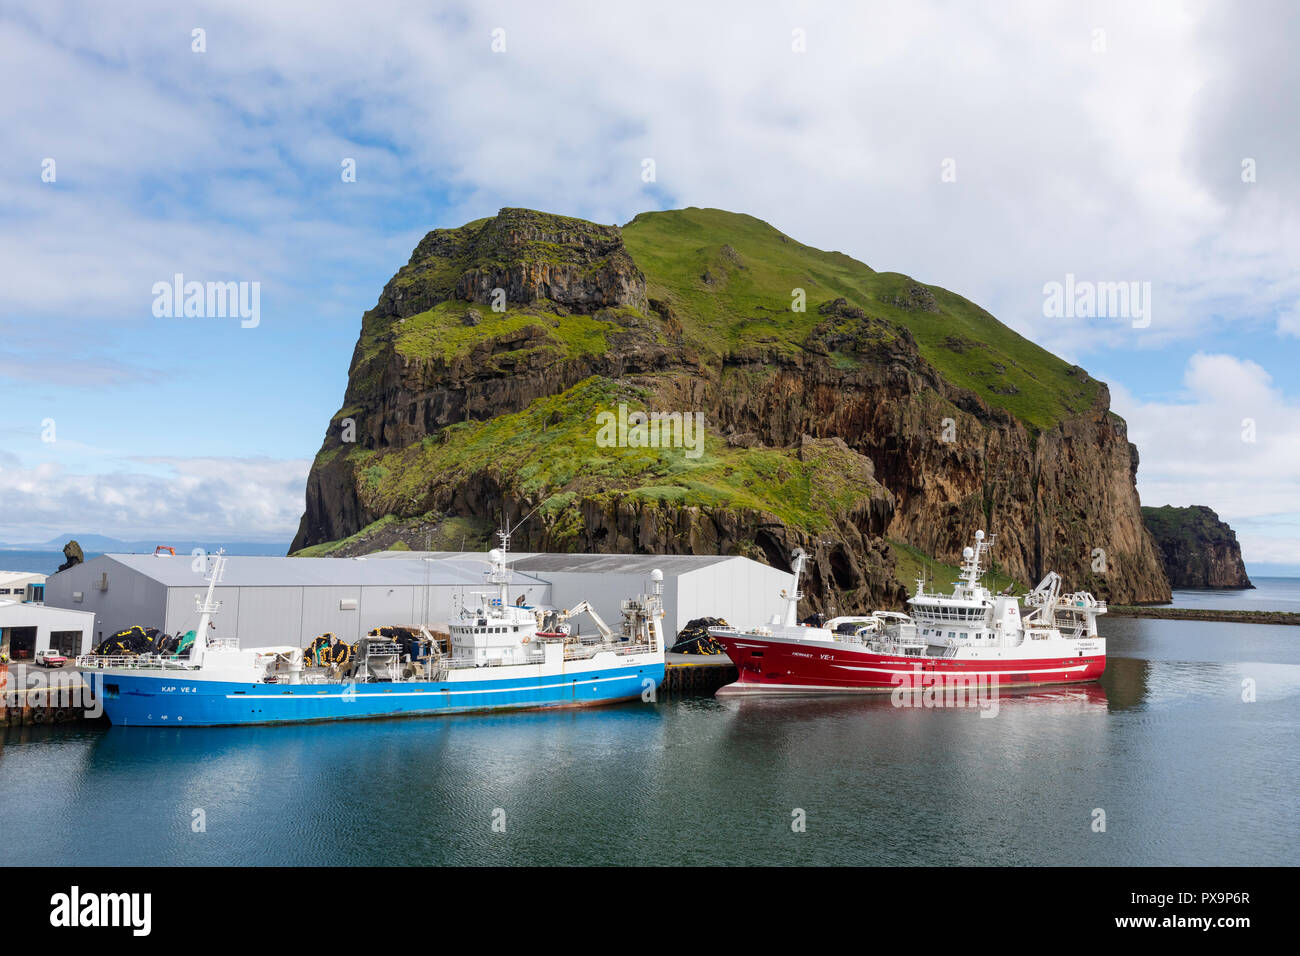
843,409
1198,550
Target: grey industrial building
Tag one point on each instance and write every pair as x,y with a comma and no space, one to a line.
739,590
275,601
695,585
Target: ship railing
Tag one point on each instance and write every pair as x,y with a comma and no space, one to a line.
571,653
462,663
617,647
132,661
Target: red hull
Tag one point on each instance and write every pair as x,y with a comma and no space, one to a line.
771,665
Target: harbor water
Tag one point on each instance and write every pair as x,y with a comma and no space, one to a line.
1184,770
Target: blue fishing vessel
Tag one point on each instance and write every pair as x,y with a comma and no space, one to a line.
496,657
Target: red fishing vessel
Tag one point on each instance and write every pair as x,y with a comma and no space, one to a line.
970,637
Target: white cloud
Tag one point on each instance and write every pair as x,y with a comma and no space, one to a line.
1198,451
1068,160
253,498
1288,323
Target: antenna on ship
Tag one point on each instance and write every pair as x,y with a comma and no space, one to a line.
971,560
500,574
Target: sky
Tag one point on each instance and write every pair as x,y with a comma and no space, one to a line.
991,149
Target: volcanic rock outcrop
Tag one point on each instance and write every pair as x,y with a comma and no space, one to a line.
845,411
1198,550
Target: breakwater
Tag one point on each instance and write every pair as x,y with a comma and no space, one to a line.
1205,614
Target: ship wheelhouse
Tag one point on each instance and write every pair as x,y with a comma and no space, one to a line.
943,620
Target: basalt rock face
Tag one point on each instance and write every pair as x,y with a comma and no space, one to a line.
529,256
1198,550
1059,500
875,408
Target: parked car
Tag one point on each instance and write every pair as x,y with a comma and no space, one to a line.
50,658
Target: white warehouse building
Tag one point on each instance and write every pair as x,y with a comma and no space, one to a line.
27,629
272,600
268,601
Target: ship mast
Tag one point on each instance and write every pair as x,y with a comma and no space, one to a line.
971,566
499,575
207,607
793,595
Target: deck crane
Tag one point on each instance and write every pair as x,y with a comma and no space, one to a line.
584,607
1044,598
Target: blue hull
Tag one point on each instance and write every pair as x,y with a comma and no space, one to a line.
147,700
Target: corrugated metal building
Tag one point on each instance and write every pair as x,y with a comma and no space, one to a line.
738,589
695,585
269,600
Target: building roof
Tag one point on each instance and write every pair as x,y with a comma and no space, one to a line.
617,563
11,611
535,561
9,578
263,571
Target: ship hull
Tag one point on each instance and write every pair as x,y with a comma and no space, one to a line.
136,698
773,666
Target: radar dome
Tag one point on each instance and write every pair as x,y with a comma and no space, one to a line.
968,553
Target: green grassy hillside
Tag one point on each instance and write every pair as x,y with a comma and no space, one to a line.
733,276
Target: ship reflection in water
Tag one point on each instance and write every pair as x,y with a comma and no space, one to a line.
975,702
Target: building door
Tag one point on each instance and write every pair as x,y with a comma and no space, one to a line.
67,643
22,643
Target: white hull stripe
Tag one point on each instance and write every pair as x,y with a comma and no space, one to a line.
1028,672
390,695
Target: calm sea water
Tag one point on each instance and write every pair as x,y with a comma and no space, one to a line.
1186,772
37,562
1269,594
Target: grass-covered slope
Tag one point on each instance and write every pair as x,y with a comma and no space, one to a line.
550,453
731,277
